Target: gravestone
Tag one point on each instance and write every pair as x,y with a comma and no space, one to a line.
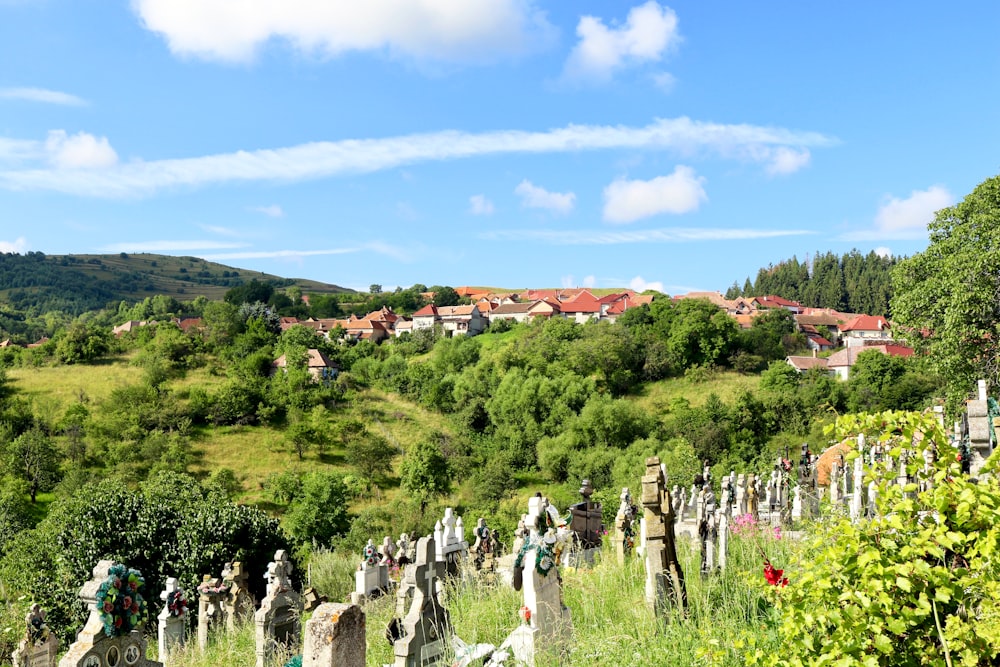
212,594
426,624
859,475
723,541
741,495
335,637
587,526
238,605
980,436
677,498
483,549
835,484
110,638
372,577
753,496
449,541
797,503
664,576
277,620
546,620
405,549
625,526
39,646
387,552
172,619
311,599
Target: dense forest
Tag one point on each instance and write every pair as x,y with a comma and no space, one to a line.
851,283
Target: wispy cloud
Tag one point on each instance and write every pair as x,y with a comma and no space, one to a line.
221,231
905,219
787,161
375,246
480,205
272,211
18,246
628,201
42,95
79,151
451,31
665,235
322,159
649,31
533,196
166,246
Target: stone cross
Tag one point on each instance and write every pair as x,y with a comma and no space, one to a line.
835,484
624,526
335,637
859,475
238,604
39,646
93,648
277,620
211,607
426,625
664,576
723,541
741,495
171,626
449,540
547,619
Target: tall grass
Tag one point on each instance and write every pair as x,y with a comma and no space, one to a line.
611,623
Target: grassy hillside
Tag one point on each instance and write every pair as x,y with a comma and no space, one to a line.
76,283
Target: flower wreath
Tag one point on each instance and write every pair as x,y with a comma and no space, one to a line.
545,558
38,631
371,555
176,603
120,602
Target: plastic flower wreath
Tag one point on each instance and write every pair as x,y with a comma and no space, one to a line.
119,601
176,603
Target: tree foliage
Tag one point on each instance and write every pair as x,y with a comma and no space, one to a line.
947,298
918,584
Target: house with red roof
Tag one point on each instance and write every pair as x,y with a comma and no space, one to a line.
863,328
582,307
773,301
462,320
840,362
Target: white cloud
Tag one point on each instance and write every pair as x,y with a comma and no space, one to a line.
17,150
589,281
905,219
566,282
883,252
640,285
164,246
272,211
649,31
19,246
480,205
533,196
913,213
41,95
354,156
665,81
628,201
787,160
79,151
429,30
664,235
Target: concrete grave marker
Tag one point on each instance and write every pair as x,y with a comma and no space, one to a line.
277,620
112,636
39,646
335,637
172,619
426,624
664,576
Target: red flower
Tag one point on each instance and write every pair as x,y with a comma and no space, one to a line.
127,602
108,607
134,608
118,621
774,576
132,586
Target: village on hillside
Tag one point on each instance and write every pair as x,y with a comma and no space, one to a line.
843,335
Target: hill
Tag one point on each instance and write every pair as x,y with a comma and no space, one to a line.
38,283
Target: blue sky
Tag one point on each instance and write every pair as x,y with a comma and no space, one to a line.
511,143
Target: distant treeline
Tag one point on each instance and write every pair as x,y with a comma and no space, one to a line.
852,282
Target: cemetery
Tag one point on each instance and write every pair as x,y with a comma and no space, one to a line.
899,499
